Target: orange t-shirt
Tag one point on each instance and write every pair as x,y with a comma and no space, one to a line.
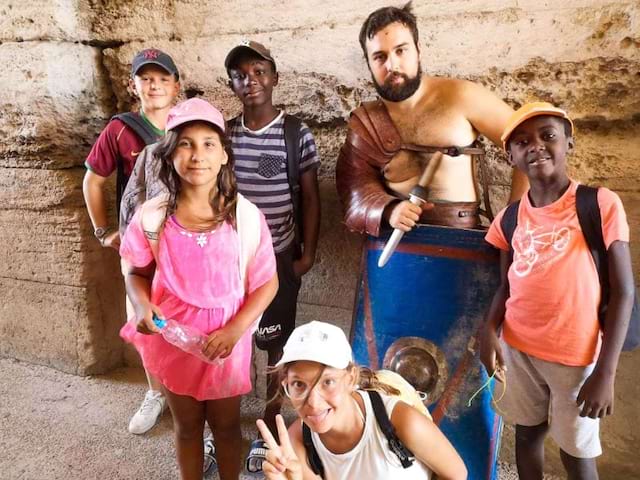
552,310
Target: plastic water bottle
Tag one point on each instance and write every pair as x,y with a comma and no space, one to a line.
185,338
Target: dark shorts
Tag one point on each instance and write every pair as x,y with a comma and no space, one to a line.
279,319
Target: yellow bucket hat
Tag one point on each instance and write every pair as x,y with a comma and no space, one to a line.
528,111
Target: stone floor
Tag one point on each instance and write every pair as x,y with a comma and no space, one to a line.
59,426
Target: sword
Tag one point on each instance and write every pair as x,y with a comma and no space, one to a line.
417,196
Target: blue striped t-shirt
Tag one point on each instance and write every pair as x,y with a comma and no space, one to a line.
261,172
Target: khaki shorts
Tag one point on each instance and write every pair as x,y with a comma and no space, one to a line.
539,391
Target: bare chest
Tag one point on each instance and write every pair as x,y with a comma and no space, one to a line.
452,177
435,126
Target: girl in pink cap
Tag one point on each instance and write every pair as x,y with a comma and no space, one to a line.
201,255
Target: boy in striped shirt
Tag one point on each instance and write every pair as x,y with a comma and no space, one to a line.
258,139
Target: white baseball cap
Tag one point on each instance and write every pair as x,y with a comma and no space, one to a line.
318,342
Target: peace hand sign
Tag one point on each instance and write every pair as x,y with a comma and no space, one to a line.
282,462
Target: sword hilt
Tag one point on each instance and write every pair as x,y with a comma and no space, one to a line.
417,196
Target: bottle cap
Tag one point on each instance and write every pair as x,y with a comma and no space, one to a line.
160,322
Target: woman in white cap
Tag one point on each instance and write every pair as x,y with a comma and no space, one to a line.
344,438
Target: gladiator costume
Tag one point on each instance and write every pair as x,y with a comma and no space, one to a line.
372,141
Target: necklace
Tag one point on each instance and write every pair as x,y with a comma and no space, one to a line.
201,238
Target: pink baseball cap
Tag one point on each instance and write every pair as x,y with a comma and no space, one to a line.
195,109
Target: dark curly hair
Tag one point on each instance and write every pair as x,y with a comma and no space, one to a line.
382,17
224,202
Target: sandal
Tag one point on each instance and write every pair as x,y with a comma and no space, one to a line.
257,455
210,464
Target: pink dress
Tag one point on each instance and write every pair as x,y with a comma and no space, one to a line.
197,282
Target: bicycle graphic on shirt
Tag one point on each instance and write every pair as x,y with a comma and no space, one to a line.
531,244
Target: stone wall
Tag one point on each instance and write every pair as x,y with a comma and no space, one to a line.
66,68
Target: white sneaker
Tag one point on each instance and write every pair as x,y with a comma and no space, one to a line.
148,414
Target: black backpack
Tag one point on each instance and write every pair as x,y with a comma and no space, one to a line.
146,134
395,445
591,225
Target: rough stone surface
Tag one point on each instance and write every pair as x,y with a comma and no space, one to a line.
599,89
458,36
55,103
66,327
43,248
61,295
48,20
333,278
69,67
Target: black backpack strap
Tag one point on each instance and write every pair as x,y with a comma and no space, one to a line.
121,183
312,454
138,125
508,224
292,127
146,134
590,221
395,445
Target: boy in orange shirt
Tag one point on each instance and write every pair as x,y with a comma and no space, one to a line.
542,336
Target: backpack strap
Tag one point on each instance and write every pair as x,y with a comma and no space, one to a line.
590,221
152,218
508,224
146,134
248,228
137,189
292,127
405,455
248,225
138,125
312,454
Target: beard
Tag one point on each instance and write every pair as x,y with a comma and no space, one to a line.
398,93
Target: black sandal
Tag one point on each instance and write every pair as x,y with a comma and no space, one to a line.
257,455
210,464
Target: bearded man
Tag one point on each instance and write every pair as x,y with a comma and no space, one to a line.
390,141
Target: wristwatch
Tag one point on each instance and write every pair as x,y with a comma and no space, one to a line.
100,233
